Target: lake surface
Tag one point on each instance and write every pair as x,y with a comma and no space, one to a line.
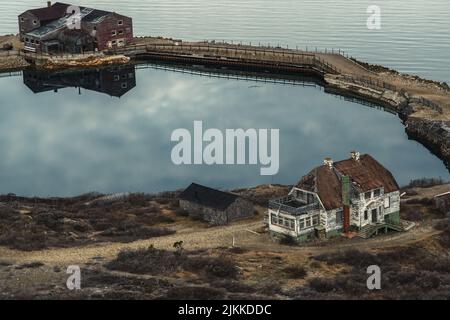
66,141
74,140
414,35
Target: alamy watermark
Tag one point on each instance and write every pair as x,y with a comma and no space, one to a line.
74,280
232,147
374,20
374,280
74,20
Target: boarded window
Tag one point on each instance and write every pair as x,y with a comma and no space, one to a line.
387,202
274,219
339,216
315,220
308,222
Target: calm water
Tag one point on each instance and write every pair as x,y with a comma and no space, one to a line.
414,36
64,143
67,143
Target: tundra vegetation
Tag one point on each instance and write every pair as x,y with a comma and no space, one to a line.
34,224
415,267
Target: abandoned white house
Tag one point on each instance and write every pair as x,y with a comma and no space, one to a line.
214,206
355,194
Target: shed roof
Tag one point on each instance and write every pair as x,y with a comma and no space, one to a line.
208,197
365,174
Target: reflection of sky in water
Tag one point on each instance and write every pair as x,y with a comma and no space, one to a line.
66,144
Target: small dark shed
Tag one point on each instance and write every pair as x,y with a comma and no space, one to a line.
214,206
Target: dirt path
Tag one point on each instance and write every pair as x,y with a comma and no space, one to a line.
344,65
244,234
192,239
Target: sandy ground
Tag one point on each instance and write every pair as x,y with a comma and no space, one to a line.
430,192
260,258
246,234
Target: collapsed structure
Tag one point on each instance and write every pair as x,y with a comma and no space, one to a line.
63,27
357,194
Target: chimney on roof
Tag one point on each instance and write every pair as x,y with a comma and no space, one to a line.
328,162
355,155
49,4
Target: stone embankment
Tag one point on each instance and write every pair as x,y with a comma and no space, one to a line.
83,61
12,62
425,120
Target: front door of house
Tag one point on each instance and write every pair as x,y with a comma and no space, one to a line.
374,216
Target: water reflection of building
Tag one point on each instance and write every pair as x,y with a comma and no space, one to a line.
114,81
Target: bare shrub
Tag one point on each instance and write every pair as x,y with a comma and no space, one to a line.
194,293
421,201
425,182
221,266
232,286
237,250
321,284
295,272
155,261
31,265
444,237
141,261
287,240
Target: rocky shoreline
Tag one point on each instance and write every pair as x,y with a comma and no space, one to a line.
433,134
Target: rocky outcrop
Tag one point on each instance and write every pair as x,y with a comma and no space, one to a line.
83,61
388,98
433,134
12,62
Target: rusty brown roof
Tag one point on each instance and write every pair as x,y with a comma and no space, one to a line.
55,11
365,174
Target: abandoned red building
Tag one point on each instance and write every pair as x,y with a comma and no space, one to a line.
51,29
